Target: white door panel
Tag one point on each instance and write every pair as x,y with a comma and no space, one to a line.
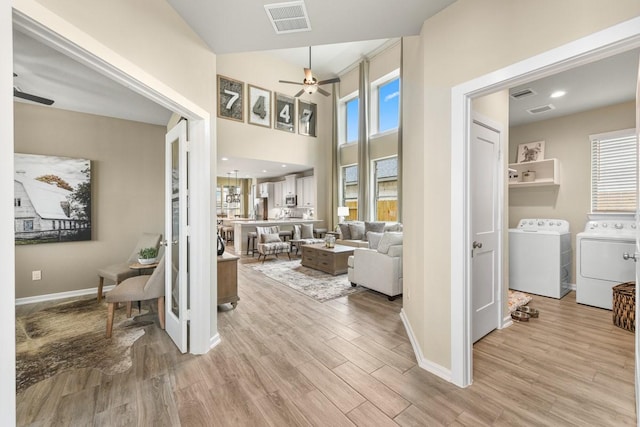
638,252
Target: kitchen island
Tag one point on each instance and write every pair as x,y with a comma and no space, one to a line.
242,228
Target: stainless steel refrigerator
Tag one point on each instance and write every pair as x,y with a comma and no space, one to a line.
261,208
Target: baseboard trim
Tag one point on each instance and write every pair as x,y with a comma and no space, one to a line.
506,322
573,286
62,295
214,341
427,365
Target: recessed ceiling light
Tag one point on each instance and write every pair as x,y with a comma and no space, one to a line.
224,159
284,166
264,171
558,94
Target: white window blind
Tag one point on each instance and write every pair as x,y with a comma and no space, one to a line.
614,165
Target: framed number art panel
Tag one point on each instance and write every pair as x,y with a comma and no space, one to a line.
307,118
284,113
230,99
259,106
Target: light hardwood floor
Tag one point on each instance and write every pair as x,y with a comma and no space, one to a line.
287,360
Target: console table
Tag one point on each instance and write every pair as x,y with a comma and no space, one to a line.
228,279
330,260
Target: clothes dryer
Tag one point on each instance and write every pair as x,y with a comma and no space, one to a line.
540,257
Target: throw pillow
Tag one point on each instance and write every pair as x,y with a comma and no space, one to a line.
374,239
307,231
377,227
389,239
271,238
344,231
296,232
393,227
357,230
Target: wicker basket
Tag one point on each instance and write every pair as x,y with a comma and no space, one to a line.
624,306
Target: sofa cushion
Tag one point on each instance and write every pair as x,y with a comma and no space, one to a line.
357,230
377,227
271,238
393,227
307,231
297,233
374,239
344,231
389,239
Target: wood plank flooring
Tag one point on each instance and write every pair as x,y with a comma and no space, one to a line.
287,360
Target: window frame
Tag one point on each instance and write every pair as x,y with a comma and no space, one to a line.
374,184
342,117
375,101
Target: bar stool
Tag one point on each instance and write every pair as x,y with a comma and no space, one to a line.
284,235
227,232
251,242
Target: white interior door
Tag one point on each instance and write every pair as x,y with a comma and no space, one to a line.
176,243
485,230
638,251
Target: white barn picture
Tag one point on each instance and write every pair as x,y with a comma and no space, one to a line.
52,199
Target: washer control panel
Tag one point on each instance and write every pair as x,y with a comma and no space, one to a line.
612,227
538,224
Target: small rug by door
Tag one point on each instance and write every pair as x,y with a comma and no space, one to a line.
518,299
312,283
71,335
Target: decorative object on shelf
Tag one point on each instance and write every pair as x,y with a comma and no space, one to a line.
343,211
284,113
220,245
259,108
329,240
230,99
147,256
530,152
528,176
307,118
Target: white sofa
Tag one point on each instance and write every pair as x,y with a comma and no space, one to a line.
378,269
360,229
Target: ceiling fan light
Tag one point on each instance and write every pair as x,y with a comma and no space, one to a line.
310,89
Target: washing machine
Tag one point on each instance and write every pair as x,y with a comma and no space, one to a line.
540,257
600,259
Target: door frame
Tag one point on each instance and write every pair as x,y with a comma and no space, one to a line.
79,46
599,45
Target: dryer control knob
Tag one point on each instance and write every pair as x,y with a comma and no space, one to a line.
633,225
618,226
604,225
541,223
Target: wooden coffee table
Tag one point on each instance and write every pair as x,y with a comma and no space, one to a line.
330,260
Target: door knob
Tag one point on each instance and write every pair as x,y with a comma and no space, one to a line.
477,245
627,256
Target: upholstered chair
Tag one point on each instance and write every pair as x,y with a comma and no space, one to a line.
270,243
121,271
138,288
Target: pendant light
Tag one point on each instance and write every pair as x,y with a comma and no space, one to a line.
229,197
236,192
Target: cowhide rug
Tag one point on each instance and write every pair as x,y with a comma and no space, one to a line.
71,335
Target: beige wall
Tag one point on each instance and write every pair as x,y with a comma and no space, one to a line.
127,178
243,140
464,41
566,139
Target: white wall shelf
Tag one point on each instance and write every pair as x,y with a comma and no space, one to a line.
546,173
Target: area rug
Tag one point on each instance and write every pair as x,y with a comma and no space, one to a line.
312,283
518,299
71,335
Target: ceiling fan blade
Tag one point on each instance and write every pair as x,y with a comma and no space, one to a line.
299,93
289,82
324,82
29,97
307,74
324,92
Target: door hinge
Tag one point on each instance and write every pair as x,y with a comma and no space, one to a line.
187,315
187,146
187,231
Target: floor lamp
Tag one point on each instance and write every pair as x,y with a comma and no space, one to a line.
342,212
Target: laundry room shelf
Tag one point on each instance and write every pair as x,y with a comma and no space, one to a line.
546,173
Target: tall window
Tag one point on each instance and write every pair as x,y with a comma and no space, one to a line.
352,120
350,191
388,105
386,189
614,169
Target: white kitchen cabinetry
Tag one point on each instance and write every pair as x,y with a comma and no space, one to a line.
266,189
546,173
278,198
306,191
289,188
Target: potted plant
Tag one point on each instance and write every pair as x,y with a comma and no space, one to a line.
147,256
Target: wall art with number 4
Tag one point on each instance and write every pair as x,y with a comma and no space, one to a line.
259,106
230,98
284,113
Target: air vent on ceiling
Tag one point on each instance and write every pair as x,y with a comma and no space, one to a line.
541,109
289,17
522,93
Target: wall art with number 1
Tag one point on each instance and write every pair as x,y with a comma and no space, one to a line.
259,106
230,98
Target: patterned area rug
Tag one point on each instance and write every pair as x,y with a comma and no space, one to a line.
71,335
312,283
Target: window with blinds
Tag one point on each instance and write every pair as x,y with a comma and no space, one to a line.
614,166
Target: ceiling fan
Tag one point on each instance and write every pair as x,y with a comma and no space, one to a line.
18,93
310,84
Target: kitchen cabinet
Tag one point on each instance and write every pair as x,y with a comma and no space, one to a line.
278,198
546,173
266,189
289,188
306,191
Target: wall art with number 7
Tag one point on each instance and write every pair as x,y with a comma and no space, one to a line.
259,106
285,113
230,99
307,118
